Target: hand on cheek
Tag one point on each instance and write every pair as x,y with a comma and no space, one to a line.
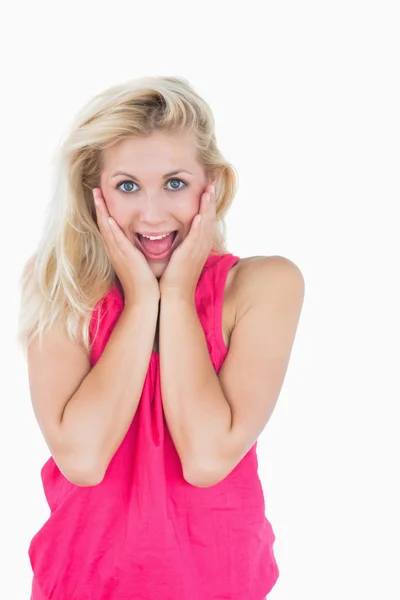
187,261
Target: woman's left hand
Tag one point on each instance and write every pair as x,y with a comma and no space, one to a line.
182,273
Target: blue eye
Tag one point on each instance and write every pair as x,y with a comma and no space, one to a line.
177,189
129,182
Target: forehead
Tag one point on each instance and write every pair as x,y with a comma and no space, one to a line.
166,151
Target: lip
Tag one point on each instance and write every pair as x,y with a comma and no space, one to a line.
156,257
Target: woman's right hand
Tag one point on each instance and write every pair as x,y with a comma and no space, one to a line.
137,279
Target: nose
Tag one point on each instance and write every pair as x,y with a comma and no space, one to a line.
153,212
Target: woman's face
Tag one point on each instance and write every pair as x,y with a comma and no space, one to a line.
142,199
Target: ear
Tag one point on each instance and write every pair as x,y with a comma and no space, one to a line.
215,181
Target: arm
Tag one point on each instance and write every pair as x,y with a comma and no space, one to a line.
98,415
214,420
195,407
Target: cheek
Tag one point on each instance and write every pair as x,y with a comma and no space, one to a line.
189,209
121,211
186,220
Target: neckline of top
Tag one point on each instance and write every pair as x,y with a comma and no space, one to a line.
209,259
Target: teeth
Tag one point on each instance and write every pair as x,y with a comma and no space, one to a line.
156,237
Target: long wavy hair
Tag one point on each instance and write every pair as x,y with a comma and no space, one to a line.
71,271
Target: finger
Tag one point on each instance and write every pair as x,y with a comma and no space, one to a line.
210,212
191,239
124,245
209,203
106,229
112,231
213,199
209,209
206,201
100,204
197,223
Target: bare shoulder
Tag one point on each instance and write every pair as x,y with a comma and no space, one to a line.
255,274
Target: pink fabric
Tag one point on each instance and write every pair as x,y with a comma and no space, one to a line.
144,533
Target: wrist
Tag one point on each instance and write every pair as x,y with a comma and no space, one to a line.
177,295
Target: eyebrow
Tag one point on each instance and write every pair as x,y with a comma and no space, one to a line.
137,179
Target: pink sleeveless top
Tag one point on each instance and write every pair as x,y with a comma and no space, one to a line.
144,533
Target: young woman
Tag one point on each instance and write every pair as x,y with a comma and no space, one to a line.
155,359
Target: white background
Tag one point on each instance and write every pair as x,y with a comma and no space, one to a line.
306,101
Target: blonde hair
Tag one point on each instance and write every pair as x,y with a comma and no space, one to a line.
71,271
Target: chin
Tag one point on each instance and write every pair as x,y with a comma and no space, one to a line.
159,268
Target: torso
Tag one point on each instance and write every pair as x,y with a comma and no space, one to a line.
230,304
